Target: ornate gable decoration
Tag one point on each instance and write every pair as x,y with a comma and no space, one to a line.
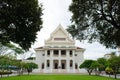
60,35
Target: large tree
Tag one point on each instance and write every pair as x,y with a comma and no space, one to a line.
20,20
96,20
30,67
87,64
103,63
115,64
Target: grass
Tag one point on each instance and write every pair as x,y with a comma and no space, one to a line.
56,77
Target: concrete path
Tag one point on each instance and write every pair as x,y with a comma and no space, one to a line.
118,75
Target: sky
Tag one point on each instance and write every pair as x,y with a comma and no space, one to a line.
56,12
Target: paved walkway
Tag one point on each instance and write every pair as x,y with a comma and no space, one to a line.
118,75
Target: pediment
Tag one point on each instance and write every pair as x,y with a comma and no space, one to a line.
60,35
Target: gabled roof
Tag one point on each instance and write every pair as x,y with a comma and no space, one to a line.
60,28
60,39
60,33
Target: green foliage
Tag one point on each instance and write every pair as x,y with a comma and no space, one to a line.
96,20
108,69
20,20
5,63
103,63
10,47
87,64
4,60
30,58
8,64
115,64
17,50
31,65
95,65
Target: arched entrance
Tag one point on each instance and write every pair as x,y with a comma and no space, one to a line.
63,64
55,63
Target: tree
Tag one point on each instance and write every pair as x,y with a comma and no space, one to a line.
20,20
96,20
5,62
108,70
115,64
9,48
87,65
30,67
103,64
95,65
19,65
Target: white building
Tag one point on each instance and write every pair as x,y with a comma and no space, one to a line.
107,56
59,54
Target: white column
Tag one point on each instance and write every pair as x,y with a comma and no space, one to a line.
51,53
45,62
59,53
74,60
59,60
51,65
51,60
67,60
59,65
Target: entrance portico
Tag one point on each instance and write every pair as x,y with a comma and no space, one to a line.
59,64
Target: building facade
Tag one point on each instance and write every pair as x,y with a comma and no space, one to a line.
59,54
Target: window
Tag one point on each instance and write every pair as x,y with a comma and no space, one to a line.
48,63
76,66
71,63
56,52
48,52
43,54
75,54
63,52
70,52
42,65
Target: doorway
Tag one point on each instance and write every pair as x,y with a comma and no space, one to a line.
55,64
63,64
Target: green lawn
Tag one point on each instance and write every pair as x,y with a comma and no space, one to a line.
56,77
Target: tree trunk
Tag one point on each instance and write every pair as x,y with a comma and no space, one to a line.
89,71
28,73
96,72
115,75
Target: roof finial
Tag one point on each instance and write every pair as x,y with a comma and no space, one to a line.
59,25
